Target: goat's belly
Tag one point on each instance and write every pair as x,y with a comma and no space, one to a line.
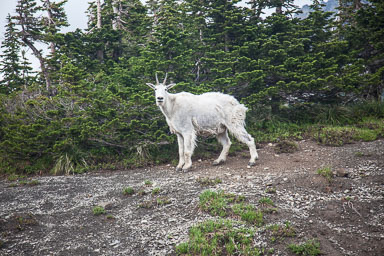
207,127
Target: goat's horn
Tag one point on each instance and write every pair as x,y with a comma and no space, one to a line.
157,79
165,79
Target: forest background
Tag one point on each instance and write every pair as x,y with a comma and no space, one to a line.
88,107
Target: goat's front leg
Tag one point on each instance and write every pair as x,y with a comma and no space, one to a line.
180,141
189,147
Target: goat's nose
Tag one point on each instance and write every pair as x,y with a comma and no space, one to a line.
160,98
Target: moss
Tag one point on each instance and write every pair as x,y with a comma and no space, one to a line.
286,146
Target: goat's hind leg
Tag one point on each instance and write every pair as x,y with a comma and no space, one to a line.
243,136
224,140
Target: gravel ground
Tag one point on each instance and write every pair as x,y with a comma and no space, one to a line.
345,215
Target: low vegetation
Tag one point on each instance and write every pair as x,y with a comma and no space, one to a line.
207,182
234,233
221,237
286,146
308,248
98,210
326,172
128,191
281,231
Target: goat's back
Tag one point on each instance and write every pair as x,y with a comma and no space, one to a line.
214,105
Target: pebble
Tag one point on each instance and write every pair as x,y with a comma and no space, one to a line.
114,243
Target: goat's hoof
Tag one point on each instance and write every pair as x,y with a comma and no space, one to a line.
186,170
218,162
250,164
179,169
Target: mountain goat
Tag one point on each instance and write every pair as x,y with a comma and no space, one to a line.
212,113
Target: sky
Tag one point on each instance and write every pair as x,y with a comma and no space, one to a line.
75,9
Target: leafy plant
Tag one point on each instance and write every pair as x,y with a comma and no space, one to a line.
286,146
218,203
248,213
156,191
98,210
148,183
308,248
266,201
208,181
128,191
219,237
326,172
163,201
282,231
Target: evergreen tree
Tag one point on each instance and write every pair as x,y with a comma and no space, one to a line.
31,32
361,26
10,66
54,21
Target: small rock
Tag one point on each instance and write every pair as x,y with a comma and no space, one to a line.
114,243
342,172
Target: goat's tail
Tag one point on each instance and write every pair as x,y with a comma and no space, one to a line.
238,115
236,121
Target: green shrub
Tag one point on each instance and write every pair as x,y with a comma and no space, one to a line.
326,172
309,248
248,213
98,210
128,191
219,238
208,181
286,146
216,203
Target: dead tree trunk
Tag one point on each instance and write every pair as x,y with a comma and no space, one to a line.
50,23
100,52
43,67
98,10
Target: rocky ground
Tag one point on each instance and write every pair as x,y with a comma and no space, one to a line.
53,215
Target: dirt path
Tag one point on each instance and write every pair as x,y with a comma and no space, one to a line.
346,215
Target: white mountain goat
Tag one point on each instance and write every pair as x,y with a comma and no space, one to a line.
212,113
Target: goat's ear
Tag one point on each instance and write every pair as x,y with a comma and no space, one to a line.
170,86
151,85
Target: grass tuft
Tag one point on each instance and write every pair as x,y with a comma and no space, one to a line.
98,210
128,191
309,248
219,237
206,182
326,172
286,146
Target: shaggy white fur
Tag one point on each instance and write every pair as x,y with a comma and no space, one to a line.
212,113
